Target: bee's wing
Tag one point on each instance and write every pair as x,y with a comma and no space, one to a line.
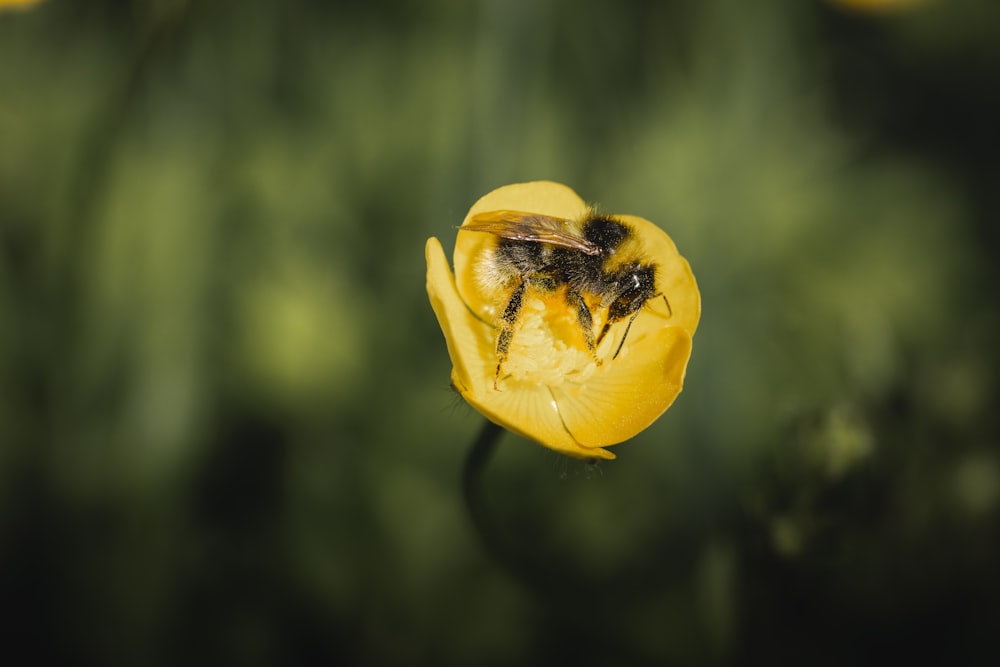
535,227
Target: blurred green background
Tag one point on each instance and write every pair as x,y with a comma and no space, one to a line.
226,433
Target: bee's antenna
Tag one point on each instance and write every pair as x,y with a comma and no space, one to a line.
625,335
670,311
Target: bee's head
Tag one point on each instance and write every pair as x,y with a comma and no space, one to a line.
636,284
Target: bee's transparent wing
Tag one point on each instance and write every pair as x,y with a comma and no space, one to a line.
519,226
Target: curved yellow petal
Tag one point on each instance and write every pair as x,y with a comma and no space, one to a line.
673,275
531,412
470,341
628,394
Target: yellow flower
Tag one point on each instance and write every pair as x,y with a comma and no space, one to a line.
556,388
878,6
17,4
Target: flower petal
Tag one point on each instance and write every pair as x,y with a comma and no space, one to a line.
470,341
629,392
673,275
531,412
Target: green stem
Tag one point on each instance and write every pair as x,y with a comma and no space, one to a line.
472,486
505,552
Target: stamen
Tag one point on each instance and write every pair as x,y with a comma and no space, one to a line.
547,347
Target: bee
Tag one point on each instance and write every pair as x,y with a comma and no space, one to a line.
596,261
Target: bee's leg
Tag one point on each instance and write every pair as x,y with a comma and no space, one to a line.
507,321
586,321
604,331
625,335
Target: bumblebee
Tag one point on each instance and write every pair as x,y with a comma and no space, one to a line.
596,262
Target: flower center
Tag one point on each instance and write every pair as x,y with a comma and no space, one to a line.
548,346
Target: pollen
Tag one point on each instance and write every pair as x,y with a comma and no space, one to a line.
548,347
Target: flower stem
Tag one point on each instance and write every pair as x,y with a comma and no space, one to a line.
497,543
472,487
